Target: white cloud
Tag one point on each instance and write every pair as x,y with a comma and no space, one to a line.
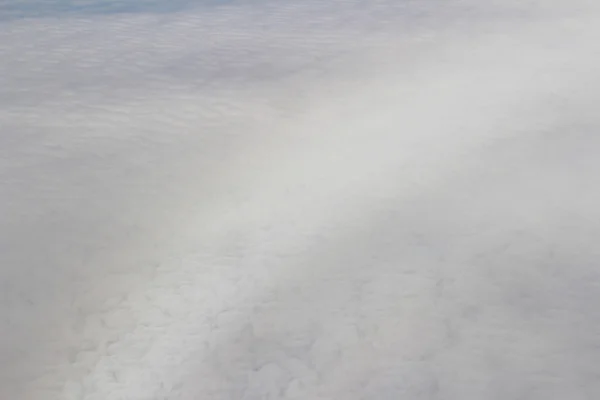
325,200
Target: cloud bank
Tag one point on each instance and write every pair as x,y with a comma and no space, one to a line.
325,200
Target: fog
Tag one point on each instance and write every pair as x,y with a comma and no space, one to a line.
342,199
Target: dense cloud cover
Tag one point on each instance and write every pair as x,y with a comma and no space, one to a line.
318,200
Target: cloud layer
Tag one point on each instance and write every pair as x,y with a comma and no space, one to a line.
326,200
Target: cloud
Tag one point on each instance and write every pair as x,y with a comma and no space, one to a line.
342,199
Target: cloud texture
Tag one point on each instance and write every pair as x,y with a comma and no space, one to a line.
299,200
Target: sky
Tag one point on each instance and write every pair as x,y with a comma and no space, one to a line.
341,199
